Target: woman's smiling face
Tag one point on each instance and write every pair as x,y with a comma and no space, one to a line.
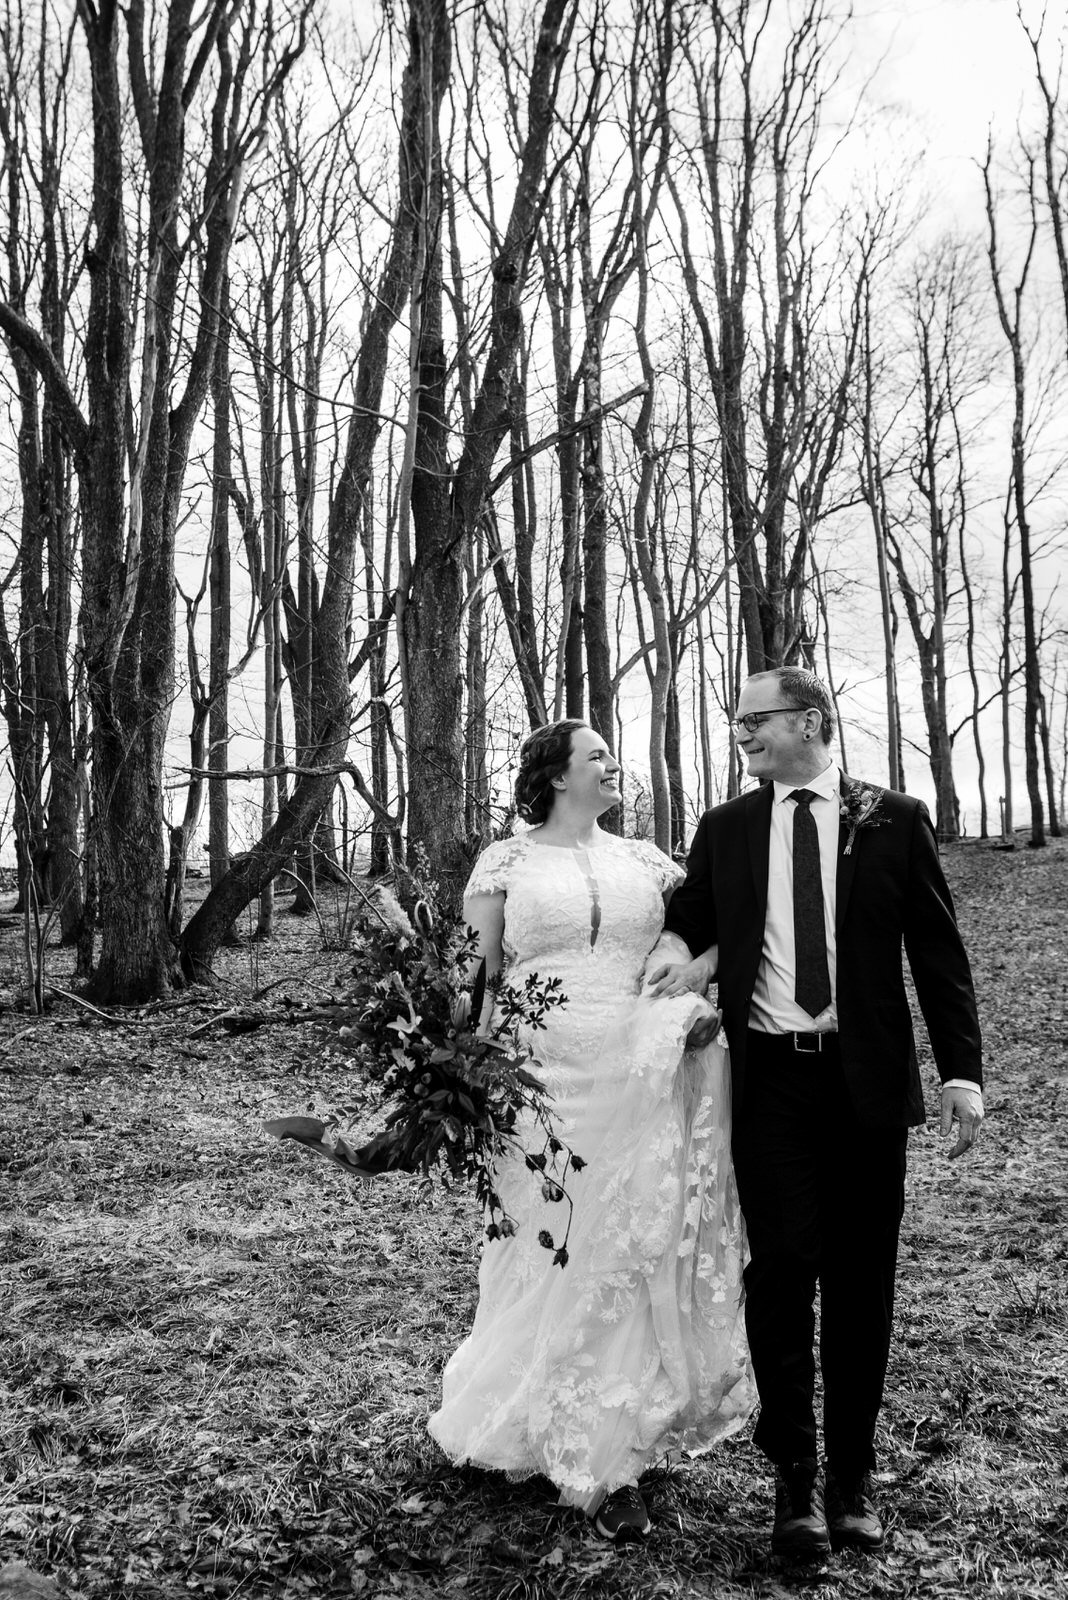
592,776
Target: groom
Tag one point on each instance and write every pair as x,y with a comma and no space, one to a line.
809,887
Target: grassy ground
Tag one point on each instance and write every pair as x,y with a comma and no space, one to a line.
216,1356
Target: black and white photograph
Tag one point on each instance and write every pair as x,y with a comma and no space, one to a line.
533,777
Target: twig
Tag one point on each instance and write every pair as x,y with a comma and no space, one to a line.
24,1033
84,1005
258,994
220,1016
184,1002
295,1015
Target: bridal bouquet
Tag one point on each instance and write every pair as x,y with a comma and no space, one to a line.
456,1097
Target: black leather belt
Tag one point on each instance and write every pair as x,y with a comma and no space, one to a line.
799,1044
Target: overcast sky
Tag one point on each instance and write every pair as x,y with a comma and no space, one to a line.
955,68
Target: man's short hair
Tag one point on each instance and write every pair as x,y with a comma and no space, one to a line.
808,693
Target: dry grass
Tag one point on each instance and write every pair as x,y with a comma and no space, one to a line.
216,1357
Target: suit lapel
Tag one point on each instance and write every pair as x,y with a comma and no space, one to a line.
846,868
758,830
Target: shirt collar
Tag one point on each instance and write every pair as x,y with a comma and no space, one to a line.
826,785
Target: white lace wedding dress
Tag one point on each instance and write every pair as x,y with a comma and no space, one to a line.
588,1372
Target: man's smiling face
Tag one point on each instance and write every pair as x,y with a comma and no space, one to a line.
779,749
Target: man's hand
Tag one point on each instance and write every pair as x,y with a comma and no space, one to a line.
963,1105
704,1031
681,977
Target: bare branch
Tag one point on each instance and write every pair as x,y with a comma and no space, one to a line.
21,333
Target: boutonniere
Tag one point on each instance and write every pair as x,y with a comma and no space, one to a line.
859,808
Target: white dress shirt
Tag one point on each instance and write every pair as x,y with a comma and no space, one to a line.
774,1009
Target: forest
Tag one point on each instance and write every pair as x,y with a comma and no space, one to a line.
382,381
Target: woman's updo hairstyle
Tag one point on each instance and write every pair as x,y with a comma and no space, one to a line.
544,756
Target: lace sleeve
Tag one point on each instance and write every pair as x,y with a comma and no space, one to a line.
490,872
667,872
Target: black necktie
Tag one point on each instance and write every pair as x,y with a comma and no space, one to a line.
812,986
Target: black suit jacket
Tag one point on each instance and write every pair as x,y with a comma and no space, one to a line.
891,894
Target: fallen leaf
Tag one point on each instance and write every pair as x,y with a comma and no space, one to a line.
907,1539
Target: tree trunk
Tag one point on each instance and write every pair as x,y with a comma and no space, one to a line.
432,628
476,786
1063,786
673,761
1047,764
386,842
274,557
219,592
661,675
973,678
181,834
1005,672
129,715
873,490
1032,678
896,775
1012,328
595,581
35,686
431,623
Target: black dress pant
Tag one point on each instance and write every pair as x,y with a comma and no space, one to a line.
822,1196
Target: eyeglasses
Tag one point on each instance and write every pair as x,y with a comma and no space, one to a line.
752,720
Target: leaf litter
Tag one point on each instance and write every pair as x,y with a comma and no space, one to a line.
216,1360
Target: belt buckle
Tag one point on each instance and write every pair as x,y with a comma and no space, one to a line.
814,1048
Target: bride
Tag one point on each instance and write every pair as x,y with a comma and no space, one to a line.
589,1372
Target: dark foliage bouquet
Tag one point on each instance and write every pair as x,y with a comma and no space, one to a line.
457,1095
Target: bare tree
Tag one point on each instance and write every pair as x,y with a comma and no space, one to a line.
924,539
873,490
220,601
756,161
1054,137
131,478
470,181
589,255
1010,303
41,267
347,534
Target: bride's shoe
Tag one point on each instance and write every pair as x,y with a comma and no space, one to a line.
622,1515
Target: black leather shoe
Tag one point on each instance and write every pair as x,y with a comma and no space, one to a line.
800,1531
851,1515
622,1515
